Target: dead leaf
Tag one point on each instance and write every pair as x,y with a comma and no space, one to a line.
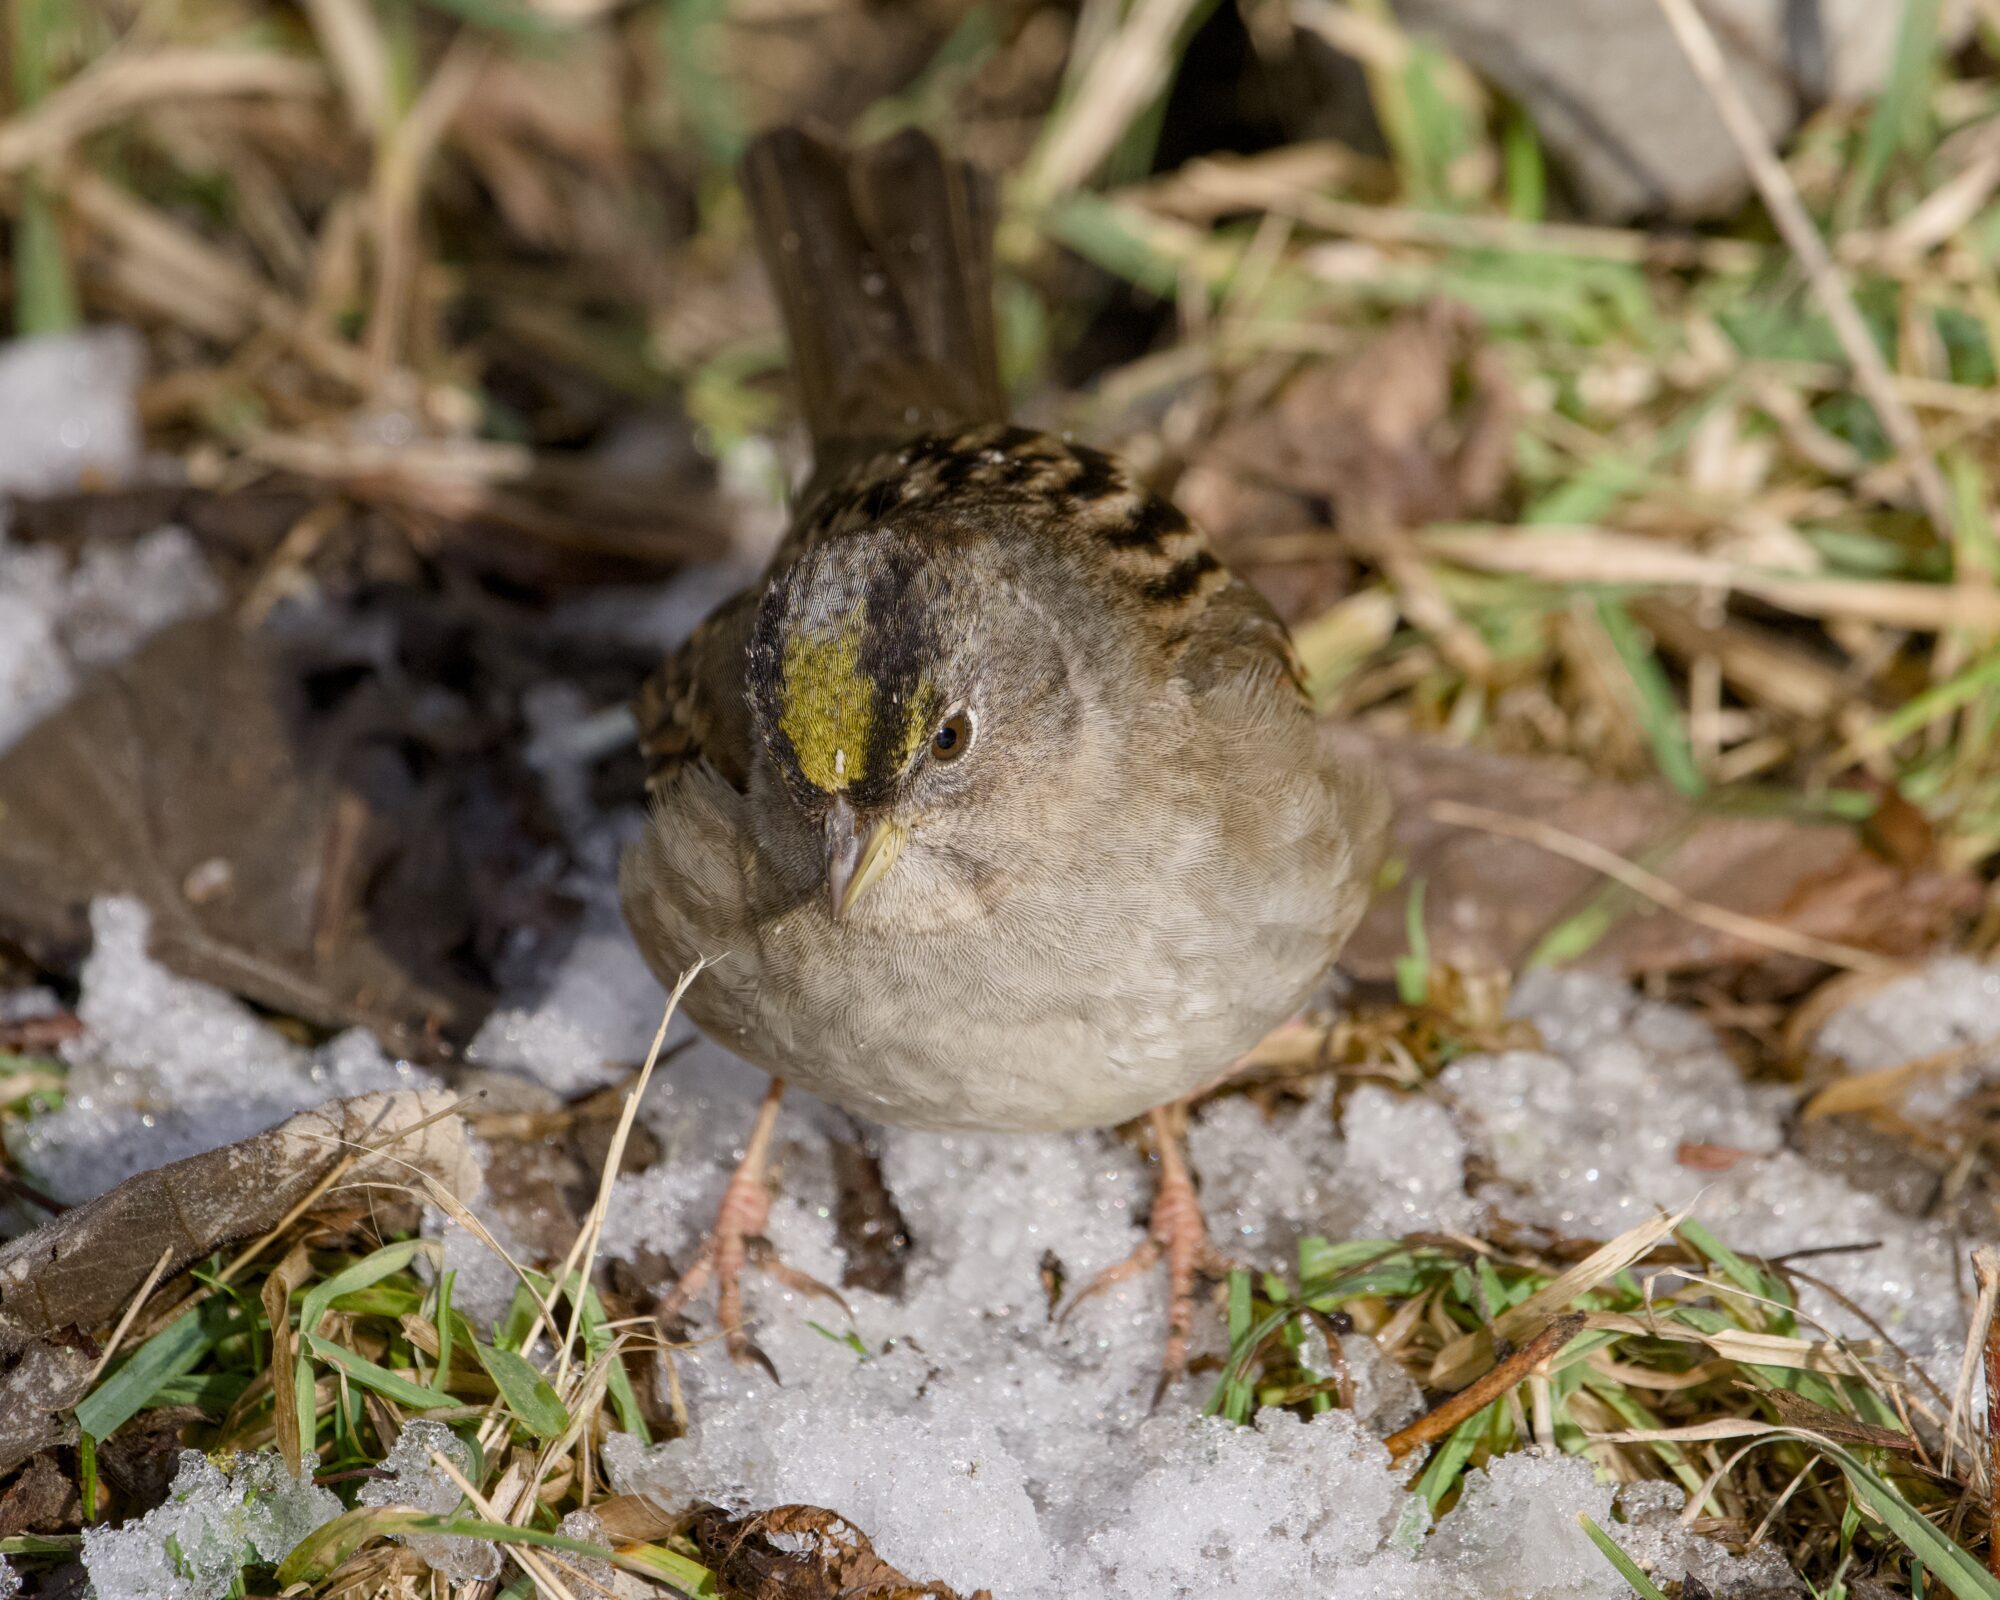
1885,1086
79,1270
1488,901
872,1233
824,1557
1796,1411
1418,427
41,1380
41,1499
141,1458
33,1035
635,1519
1709,1157
175,777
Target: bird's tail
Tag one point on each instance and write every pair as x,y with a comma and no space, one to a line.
882,259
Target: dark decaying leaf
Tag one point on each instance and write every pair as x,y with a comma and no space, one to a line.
188,778
141,1458
870,1225
1417,427
41,1499
823,1557
41,1380
1490,901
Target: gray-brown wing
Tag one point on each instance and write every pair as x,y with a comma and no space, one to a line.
693,708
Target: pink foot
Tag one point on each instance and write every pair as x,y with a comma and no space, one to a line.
1176,1234
736,1240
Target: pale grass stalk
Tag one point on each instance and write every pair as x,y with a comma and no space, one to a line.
1219,184
1865,1091
1120,81
1829,286
351,36
1578,556
1469,1354
1944,211
586,1242
1986,1268
402,159
125,1322
1844,1358
179,275
116,86
528,1561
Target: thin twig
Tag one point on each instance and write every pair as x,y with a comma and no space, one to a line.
1795,225
131,1315
1986,1271
1441,1419
1734,924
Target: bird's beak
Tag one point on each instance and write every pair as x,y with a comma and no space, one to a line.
856,855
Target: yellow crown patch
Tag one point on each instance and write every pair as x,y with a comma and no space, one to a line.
828,706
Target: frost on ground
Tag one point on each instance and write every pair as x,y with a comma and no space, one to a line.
71,408
168,1067
192,1547
415,1482
979,1442
70,419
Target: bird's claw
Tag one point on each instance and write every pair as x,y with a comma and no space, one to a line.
1177,1235
737,1240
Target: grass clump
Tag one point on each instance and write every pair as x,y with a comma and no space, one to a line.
329,1353
1659,1355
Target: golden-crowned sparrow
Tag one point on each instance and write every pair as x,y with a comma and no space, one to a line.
997,802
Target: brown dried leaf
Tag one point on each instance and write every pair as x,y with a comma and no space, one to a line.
41,1380
177,777
828,1558
79,1270
1416,428
1488,901
1796,1411
873,1235
141,1458
635,1519
41,1499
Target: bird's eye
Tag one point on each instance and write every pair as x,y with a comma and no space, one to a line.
953,737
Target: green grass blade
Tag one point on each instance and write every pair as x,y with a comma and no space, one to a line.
526,1391
1524,171
1413,971
1898,120
1943,1557
370,1269
1442,1471
171,1353
324,1550
1642,1585
359,1369
1659,713
598,1340
442,1321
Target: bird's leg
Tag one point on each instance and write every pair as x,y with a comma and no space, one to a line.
738,1239
1176,1234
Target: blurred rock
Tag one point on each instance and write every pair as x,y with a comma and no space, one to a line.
1623,112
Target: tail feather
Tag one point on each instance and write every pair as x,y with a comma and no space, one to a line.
882,260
